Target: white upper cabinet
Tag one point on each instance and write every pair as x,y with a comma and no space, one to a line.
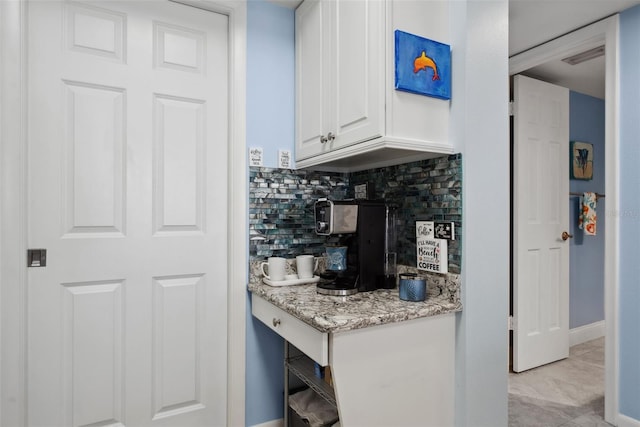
313,39
348,114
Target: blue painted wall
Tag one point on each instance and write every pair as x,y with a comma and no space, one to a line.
478,129
586,300
270,125
481,385
479,32
629,313
270,78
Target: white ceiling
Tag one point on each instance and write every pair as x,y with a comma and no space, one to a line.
533,22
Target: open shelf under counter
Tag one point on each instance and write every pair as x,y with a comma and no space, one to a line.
302,367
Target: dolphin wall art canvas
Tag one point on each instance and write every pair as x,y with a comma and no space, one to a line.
423,66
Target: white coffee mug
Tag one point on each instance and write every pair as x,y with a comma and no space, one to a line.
277,268
306,265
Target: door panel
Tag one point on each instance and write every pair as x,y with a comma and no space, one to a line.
179,174
94,147
93,351
541,191
177,367
127,169
95,31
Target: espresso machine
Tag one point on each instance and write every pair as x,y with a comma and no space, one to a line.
356,263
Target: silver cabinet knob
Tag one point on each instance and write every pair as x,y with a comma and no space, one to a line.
276,322
330,137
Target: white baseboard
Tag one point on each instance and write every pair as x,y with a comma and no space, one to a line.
624,421
272,423
586,333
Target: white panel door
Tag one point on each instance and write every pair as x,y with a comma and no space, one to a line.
541,215
127,189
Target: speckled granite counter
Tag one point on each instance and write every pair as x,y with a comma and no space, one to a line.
410,362
336,314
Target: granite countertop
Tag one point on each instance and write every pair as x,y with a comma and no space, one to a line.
364,309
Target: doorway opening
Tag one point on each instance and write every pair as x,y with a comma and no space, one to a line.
601,350
555,383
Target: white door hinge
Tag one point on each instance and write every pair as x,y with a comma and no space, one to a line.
511,108
511,323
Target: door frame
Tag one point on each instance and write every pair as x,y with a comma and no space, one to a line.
604,31
13,208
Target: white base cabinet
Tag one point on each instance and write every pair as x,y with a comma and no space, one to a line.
397,374
348,114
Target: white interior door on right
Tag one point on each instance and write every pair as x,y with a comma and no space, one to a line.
540,216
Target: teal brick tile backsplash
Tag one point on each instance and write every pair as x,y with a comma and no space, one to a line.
429,190
281,203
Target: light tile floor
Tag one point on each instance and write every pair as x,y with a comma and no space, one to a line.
567,393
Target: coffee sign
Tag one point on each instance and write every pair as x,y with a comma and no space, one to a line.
431,252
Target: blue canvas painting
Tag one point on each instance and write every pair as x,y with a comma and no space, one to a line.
423,66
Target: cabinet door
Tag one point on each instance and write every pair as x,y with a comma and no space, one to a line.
358,71
313,35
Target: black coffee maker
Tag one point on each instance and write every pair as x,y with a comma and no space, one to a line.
362,227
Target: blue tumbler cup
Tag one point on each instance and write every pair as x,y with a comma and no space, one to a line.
412,287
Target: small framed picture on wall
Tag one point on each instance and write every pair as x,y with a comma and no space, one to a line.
581,158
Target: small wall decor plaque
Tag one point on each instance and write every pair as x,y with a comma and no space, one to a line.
423,66
255,156
431,252
364,191
284,159
581,160
444,230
